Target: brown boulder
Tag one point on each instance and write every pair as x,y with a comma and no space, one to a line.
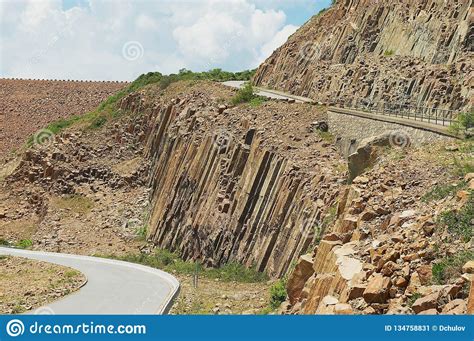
470,301
455,307
468,268
425,274
377,290
303,271
426,303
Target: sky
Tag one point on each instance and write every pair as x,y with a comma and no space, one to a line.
121,39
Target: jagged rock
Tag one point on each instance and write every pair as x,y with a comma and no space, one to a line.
426,303
377,290
366,154
455,307
468,267
396,54
343,309
301,273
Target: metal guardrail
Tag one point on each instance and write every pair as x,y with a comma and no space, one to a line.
438,116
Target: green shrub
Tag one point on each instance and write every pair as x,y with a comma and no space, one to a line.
459,223
450,267
389,53
4,242
244,95
462,122
24,244
277,293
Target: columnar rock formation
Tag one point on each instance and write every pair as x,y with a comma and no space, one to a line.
408,52
223,195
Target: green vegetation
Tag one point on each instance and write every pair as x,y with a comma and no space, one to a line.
171,262
24,244
389,53
142,232
458,223
76,203
450,267
326,136
463,122
463,167
4,242
71,273
246,94
277,293
413,298
439,192
107,110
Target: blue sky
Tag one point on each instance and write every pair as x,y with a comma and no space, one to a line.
120,39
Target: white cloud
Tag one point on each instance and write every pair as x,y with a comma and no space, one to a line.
41,40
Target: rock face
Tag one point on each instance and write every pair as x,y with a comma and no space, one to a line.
378,256
220,195
413,52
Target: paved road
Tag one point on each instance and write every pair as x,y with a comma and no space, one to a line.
269,93
113,287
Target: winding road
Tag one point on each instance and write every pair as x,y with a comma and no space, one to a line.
113,287
274,94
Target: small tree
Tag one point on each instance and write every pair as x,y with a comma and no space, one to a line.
463,123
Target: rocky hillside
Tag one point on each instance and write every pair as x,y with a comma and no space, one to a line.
408,52
257,184
30,105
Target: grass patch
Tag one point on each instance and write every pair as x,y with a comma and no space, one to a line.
257,101
411,300
75,203
4,242
458,223
389,53
71,273
171,262
24,244
450,267
326,136
439,192
142,232
463,167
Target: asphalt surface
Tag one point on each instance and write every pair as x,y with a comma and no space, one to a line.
113,287
269,93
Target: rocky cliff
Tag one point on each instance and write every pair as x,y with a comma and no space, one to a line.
407,52
226,187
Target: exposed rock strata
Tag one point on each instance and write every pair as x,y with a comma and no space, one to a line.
229,195
414,52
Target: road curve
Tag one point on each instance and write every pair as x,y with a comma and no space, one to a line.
274,94
113,287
